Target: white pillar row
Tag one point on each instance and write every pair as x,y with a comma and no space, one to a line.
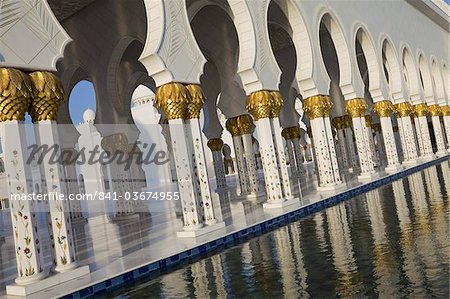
446,119
195,104
294,133
313,152
339,124
376,159
215,145
69,160
172,99
265,107
423,133
318,110
403,113
44,108
435,112
290,151
27,247
356,108
384,109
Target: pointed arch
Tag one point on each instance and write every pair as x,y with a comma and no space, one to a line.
392,66
412,75
425,75
438,82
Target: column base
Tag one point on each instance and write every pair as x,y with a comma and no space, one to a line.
441,153
428,157
332,188
281,204
65,268
368,176
202,231
411,162
393,168
51,281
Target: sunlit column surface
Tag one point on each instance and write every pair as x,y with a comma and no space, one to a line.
234,130
423,133
16,92
290,151
340,124
384,110
370,139
356,109
318,110
298,149
403,112
194,106
44,108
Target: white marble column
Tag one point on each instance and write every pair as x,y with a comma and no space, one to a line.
195,104
423,133
353,160
317,109
70,173
295,138
446,119
339,124
403,112
376,160
242,173
393,163
174,109
290,152
215,145
27,248
47,135
435,112
250,161
356,108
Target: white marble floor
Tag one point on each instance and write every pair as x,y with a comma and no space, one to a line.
112,246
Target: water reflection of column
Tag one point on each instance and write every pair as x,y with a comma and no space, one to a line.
382,256
446,175
296,235
200,279
175,285
424,236
342,247
406,239
286,260
219,274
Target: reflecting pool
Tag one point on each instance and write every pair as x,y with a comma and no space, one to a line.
390,242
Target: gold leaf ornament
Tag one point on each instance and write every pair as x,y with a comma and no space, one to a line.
15,94
48,96
172,99
195,101
259,104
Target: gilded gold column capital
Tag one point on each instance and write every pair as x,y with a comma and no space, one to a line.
48,96
276,104
215,144
356,107
294,132
338,122
196,100
317,106
259,104
403,109
368,119
420,110
115,143
435,110
285,134
245,124
383,108
445,110
16,91
172,99
376,127
232,127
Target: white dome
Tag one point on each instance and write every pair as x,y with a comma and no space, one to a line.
89,116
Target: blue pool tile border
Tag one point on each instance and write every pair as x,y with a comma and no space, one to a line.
190,255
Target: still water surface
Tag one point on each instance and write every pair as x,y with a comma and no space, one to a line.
390,242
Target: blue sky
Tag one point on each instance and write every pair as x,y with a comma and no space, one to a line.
81,98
